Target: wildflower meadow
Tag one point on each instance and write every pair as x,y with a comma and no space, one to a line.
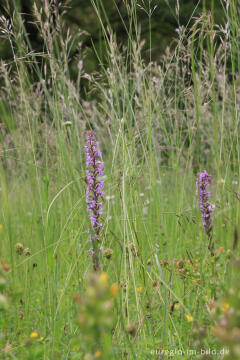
119,185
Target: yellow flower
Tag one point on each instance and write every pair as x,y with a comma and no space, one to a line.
37,300
114,289
139,289
177,306
8,348
98,354
225,306
189,318
104,278
1,227
33,335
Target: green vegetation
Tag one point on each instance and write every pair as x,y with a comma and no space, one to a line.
159,123
79,14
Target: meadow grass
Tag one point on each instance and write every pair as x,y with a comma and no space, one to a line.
159,125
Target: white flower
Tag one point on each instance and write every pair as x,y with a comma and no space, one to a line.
110,197
145,210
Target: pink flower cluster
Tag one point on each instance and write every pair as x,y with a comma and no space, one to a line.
206,207
94,193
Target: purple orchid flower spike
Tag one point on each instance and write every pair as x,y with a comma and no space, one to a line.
206,208
94,194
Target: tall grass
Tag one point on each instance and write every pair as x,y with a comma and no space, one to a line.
158,125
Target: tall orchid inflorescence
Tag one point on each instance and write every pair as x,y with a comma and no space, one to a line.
206,207
94,194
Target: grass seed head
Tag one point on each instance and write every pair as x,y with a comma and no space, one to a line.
131,329
27,252
19,248
108,253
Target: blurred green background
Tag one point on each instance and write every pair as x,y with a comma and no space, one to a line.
158,19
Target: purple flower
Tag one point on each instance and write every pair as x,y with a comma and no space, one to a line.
207,209
94,194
